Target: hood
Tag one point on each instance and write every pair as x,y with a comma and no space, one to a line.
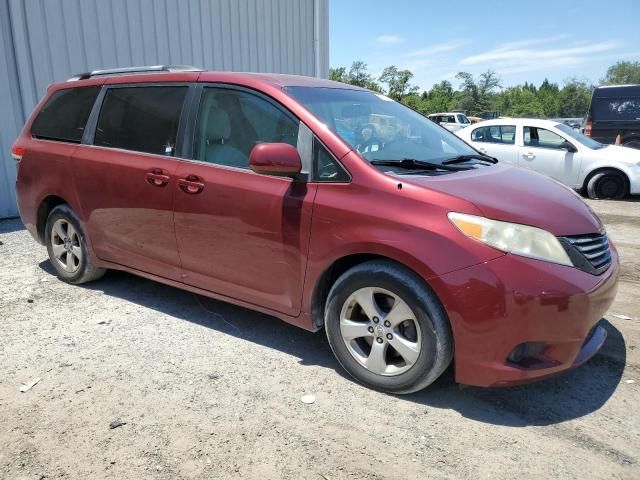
619,153
512,194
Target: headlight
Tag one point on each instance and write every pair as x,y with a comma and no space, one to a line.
514,238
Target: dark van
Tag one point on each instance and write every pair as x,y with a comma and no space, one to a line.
615,110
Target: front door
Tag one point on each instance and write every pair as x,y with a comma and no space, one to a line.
542,151
241,234
126,180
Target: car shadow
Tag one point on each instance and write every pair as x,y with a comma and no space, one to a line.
572,395
9,225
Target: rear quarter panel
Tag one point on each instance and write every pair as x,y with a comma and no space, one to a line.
44,170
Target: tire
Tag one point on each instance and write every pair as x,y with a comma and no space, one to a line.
608,184
67,247
424,337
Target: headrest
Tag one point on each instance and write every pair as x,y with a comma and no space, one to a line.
218,126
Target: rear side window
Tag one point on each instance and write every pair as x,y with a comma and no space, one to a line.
143,119
65,114
619,108
495,134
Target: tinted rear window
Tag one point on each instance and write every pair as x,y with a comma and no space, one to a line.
144,119
618,108
65,114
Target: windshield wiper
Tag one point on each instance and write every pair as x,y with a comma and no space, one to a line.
409,163
473,156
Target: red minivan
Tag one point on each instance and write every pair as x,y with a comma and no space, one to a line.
326,205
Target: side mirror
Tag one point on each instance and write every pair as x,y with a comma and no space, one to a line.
278,159
568,146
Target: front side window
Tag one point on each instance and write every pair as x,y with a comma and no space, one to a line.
65,114
232,122
328,169
542,138
143,119
377,127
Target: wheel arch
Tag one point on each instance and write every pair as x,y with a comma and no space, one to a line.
47,204
329,276
595,171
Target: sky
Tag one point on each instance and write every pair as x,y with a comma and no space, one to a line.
520,40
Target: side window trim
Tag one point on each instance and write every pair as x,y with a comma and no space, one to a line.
317,144
90,129
92,122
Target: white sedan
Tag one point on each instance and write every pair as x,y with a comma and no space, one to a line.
555,149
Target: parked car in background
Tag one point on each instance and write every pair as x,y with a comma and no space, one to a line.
615,112
266,191
451,121
559,151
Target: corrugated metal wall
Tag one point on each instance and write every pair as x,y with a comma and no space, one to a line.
45,41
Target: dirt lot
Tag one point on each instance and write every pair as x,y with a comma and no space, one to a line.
209,390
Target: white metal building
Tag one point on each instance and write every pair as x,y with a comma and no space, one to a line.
48,41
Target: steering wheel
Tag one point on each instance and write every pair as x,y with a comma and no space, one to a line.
369,140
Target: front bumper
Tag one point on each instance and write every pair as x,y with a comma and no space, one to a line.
499,305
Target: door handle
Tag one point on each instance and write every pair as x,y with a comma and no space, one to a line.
156,178
192,184
529,156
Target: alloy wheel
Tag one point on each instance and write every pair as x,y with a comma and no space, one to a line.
380,331
65,245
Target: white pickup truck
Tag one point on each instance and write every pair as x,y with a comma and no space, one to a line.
451,120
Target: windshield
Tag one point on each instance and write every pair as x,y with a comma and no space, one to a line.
463,119
578,137
379,128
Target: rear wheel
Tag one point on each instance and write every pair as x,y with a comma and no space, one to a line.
387,328
67,247
608,184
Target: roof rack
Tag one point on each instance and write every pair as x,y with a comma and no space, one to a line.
133,70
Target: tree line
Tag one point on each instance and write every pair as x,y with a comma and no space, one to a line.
485,92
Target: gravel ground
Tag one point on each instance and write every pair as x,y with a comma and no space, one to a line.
204,389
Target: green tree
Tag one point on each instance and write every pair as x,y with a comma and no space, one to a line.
524,102
574,98
622,73
398,82
477,95
338,74
358,74
439,98
548,97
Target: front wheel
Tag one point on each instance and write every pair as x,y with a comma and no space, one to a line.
608,184
387,329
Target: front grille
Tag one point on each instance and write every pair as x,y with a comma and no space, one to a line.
590,253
